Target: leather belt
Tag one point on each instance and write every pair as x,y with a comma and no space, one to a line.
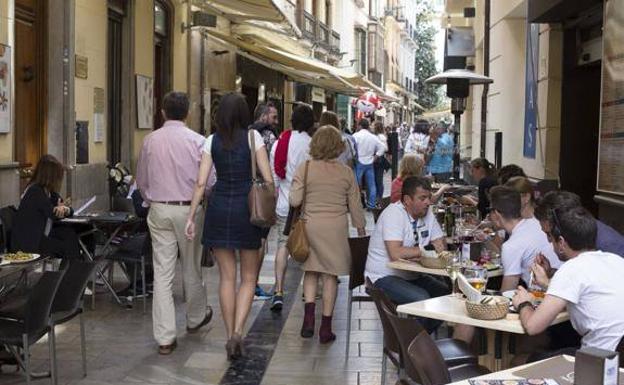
176,203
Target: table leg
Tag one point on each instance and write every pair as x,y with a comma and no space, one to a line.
489,360
99,272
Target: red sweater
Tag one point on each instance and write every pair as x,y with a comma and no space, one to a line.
281,154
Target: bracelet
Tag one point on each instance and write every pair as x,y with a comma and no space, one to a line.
523,305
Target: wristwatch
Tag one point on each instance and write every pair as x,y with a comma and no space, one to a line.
523,305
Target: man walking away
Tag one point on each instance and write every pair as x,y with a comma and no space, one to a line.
369,148
166,176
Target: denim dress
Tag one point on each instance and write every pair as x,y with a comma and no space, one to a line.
227,223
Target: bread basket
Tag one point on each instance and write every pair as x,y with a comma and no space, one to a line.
432,260
496,308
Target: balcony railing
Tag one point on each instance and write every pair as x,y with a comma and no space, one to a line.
323,35
308,27
335,42
318,32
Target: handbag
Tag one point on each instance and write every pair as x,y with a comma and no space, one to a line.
261,196
297,243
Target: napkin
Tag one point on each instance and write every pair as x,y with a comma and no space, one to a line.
470,292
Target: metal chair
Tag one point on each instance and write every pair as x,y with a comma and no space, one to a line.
7,216
35,323
359,252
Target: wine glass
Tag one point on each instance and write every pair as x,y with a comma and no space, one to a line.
477,277
453,268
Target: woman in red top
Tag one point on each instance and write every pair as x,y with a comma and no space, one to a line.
411,165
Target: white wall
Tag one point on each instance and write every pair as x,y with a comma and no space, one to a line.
347,16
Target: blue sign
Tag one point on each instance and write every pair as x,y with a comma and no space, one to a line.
530,97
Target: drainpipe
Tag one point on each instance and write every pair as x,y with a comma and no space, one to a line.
486,72
69,119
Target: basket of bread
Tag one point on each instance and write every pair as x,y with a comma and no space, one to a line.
488,307
434,260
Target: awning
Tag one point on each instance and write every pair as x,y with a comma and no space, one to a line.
241,11
296,67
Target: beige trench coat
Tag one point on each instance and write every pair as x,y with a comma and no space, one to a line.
331,193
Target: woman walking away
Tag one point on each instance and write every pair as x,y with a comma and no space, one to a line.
381,164
227,227
330,193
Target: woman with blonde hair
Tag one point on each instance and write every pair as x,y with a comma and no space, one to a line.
331,193
411,165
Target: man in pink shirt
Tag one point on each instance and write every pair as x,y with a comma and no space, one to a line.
166,176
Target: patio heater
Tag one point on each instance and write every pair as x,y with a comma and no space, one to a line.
458,82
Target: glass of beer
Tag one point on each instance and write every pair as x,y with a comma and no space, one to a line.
477,277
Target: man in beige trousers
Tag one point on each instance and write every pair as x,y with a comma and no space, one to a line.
166,175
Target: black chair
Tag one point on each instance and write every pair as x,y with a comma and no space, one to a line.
34,324
359,252
7,216
620,349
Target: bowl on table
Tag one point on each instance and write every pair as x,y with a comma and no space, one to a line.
491,307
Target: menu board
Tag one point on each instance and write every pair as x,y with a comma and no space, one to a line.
611,143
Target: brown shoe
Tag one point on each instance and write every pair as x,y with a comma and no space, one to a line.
207,318
165,350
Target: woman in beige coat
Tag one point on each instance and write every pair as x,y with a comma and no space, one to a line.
331,194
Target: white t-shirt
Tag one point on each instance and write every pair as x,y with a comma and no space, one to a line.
395,224
526,241
417,143
592,284
258,141
298,152
368,145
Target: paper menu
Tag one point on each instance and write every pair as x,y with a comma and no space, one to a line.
85,206
470,292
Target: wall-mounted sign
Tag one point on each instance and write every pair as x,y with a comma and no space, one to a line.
98,115
530,92
318,95
82,67
5,88
145,102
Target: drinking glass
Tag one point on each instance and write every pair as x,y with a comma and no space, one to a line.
453,268
477,277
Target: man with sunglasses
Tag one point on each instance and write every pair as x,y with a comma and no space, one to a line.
526,239
401,230
589,284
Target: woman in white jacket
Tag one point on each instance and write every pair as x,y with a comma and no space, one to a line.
419,138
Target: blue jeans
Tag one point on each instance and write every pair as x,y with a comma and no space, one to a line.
402,291
368,172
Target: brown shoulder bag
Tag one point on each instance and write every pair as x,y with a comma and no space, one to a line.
297,243
261,195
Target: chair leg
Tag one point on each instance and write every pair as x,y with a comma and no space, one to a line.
349,305
52,347
143,283
134,279
83,345
26,357
384,368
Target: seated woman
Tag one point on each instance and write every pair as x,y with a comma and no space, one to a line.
484,175
41,205
411,165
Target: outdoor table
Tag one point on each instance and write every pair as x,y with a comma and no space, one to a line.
110,224
418,268
559,368
450,308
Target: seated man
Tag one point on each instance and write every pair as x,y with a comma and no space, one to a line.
401,228
589,284
526,238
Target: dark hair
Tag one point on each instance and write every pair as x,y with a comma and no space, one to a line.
484,164
176,105
232,118
48,173
364,123
509,171
378,128
506,201
262,109
302,118
329,118
412,183
560,201
422,127
578,227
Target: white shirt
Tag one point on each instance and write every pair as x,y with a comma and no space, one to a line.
368,146
384,140
417,142
298,152
526,241
395,224
258,141
592,284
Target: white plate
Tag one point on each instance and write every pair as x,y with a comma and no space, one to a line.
509,294
34,258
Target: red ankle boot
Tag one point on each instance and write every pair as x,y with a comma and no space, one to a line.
325,333
307,329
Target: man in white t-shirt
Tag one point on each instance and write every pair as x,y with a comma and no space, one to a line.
589,284
401,230
298,152
369,148
526,240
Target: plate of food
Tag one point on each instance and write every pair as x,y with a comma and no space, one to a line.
18,257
